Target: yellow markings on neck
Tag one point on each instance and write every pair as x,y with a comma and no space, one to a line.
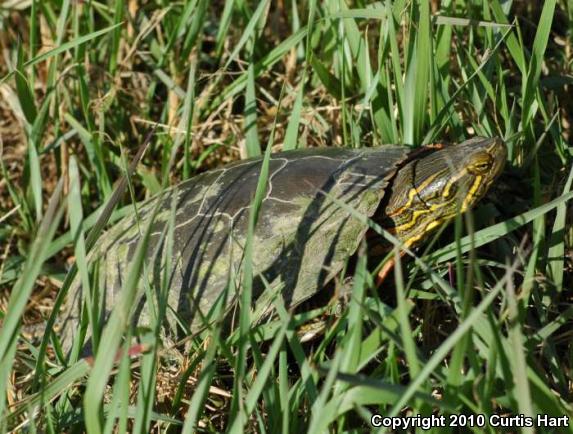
412,240
415,216
417,213
412,221
469,196
452,181
435,223
413,192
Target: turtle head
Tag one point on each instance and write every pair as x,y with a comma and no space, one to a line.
431,190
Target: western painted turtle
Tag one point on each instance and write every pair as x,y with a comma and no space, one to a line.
303,236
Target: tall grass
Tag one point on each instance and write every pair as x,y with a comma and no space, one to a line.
477,321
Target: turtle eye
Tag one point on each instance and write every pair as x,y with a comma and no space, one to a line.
481,166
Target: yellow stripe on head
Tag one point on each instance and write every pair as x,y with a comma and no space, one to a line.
413,193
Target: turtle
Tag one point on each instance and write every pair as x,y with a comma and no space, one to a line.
307,226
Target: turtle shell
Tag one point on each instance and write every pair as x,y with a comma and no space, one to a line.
302,238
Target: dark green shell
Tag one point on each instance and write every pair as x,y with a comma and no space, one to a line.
302,238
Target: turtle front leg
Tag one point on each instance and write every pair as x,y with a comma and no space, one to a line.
378,249
383,273
386,269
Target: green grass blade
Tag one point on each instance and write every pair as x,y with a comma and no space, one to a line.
291,135
252,145
353,337
75,212
535,63
187,117
513,45
224,26
113,332
23,90
263,376
63,48
556,252
265,63
417,77
248,32
24,286
405,329
93,235
522,391
60,385
246,290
